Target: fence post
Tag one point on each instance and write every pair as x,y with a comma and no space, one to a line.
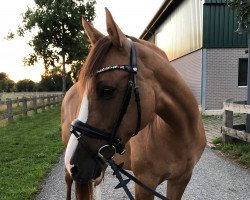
9,110
25,107
35,104
42,102
61,97
58,99
227,122
17,101
54,100
49,102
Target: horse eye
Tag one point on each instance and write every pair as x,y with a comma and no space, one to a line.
106,92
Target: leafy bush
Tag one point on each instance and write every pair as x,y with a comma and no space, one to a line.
26,85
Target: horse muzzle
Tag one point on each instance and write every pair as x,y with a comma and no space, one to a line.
84,161
85,166
83,171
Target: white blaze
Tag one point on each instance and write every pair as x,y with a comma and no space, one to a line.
72,144
84,110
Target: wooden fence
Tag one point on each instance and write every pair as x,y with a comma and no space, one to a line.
18,106
229,130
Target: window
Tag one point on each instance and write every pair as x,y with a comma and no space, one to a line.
242,75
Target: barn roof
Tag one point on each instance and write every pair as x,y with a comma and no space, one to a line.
166,8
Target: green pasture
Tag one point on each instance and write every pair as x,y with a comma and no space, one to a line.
29,147
17,103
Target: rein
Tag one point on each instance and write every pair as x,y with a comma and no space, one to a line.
115,144
118,169
123,183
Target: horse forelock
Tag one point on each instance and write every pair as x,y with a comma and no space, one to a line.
94,60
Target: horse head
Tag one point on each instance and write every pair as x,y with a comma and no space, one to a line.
118,100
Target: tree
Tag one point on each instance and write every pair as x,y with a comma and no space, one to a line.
75,70
59,38
3,76
6,84
25,85
242,7
52,81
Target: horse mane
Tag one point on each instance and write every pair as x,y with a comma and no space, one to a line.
150,45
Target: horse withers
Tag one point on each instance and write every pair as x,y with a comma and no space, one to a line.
130,99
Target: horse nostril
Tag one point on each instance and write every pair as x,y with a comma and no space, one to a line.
74,170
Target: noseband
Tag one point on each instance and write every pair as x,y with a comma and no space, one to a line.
114,142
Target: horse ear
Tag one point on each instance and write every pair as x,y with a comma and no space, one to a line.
116,35
93,34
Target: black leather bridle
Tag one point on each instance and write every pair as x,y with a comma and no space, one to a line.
115,144
93,132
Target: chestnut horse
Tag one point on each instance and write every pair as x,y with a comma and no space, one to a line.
171,135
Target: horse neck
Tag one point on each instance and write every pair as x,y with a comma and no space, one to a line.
175,102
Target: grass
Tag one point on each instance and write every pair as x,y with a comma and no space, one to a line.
29,147
238,150
15,108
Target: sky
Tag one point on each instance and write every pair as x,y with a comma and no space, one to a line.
132,16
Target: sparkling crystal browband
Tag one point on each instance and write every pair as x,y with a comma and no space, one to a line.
127,68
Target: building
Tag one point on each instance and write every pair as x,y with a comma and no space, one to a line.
200,40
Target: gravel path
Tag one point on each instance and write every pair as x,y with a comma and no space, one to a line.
214,178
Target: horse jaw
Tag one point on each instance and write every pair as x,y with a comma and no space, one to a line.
73,142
